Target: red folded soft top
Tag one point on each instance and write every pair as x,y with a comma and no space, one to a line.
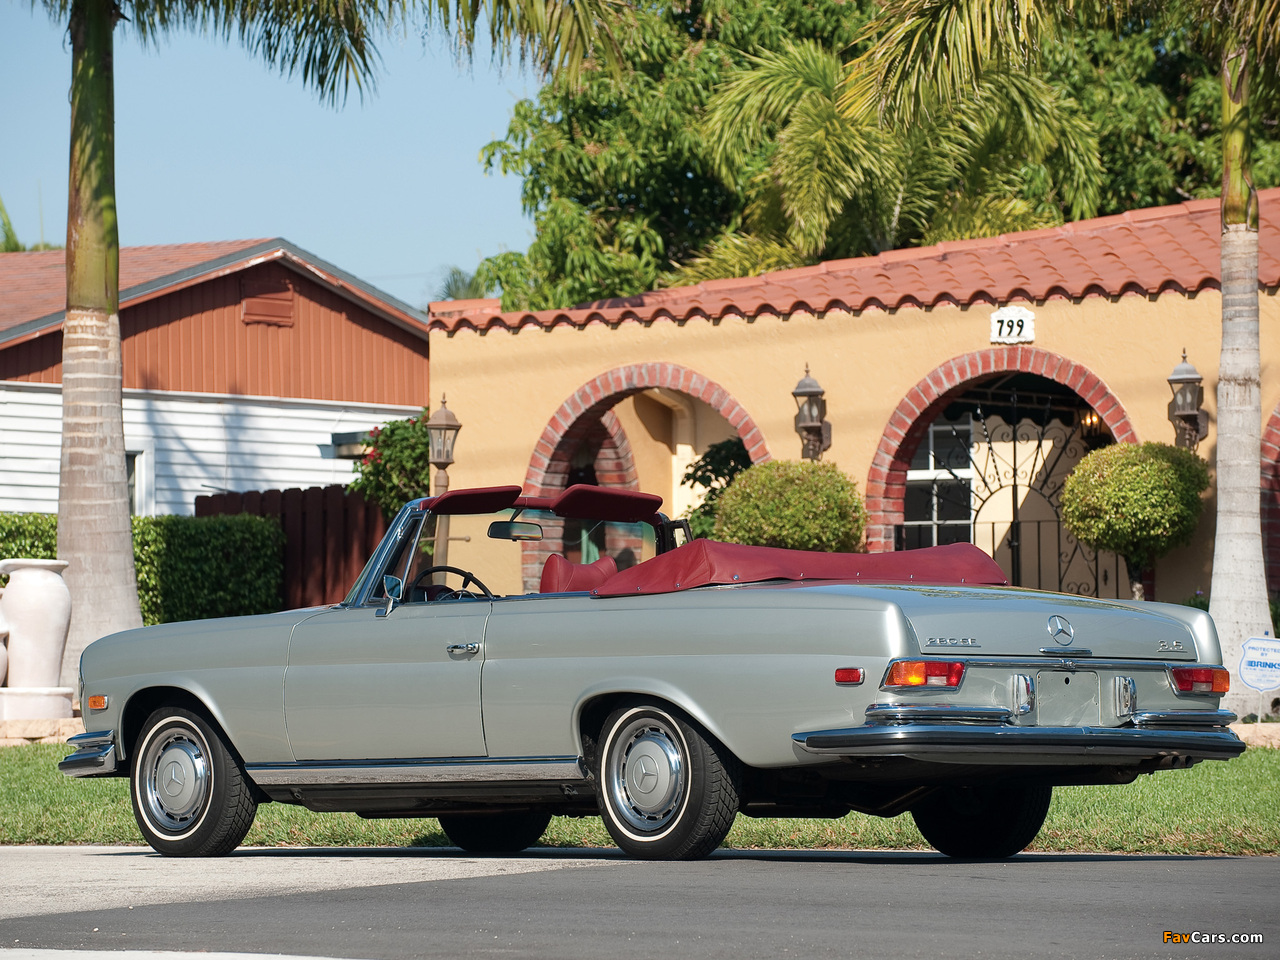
705,562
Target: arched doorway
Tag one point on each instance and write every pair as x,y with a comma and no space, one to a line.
978,451
637,426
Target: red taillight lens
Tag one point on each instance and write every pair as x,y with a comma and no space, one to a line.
1201,679
849,675
925,673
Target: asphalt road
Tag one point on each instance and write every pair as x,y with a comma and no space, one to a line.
569,904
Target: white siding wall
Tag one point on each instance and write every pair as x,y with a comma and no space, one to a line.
187,444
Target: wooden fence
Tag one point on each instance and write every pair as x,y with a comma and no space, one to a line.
329,535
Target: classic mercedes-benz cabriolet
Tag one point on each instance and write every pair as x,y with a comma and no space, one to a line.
665,688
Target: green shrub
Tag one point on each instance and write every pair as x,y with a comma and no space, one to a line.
397,467
714,471
1137,500
803,506
189,568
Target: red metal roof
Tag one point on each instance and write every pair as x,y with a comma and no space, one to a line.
33,285
1141,251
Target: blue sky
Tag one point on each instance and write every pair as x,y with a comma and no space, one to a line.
212,145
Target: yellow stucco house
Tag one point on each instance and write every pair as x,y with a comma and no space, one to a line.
963,382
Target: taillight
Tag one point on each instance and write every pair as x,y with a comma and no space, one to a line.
849,676
1201,679
925,673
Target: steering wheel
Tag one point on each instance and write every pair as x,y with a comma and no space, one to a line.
437,591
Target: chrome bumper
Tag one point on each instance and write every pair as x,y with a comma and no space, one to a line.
95,755
1152,737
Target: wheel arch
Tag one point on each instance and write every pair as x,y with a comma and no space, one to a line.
142,703
594,707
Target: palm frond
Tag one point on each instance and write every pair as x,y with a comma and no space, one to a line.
738,255
754,102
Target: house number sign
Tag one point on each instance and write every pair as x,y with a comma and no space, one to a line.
1013,325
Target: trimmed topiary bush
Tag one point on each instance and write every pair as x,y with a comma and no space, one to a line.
1137,500
802,506
189,568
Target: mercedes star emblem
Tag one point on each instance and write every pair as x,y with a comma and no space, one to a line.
1061,630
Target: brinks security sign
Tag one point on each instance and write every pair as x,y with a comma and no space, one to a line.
1260,663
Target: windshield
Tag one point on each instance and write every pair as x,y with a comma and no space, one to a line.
504,566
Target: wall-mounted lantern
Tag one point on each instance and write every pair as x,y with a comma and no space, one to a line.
811,422
1190,421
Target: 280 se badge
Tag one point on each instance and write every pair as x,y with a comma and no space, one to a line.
503,659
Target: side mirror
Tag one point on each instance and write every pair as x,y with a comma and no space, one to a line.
394,590
514,530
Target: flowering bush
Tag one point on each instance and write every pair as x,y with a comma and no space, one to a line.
396,467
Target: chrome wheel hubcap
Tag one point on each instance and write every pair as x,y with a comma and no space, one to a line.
646,776
177,780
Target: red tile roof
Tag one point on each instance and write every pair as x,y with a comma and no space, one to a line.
1141,251
33,285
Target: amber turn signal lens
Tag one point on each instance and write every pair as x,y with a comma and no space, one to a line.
849,675
1201,679
98,703
925,673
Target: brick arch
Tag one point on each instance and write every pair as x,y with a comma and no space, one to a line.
594,399
1271,500
887,478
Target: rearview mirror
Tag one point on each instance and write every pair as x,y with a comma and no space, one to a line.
514,530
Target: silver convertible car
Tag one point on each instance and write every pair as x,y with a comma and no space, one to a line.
503,659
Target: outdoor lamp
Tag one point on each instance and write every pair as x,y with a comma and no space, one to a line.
1190,421
442,431
811,423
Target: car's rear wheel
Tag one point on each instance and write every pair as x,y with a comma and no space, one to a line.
983,822
190,796
499,832
666,791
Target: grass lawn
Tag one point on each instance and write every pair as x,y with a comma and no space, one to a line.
1213,808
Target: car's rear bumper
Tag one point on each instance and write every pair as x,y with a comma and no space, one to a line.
95,755
1175,739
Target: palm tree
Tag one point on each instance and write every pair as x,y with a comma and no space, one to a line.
330,43
937,51
839,186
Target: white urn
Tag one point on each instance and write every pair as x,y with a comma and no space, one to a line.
35,610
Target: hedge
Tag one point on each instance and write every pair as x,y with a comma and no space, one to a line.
803,506
189,568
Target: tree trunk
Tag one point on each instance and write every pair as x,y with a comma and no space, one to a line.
1238,590
93,496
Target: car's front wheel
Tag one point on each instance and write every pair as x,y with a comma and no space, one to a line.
190,797
666,791
499,832
983,822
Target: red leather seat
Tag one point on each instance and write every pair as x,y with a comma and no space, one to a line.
561,576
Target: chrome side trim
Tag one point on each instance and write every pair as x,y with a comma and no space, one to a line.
465,770
1184,718
95,754
959,743
893,713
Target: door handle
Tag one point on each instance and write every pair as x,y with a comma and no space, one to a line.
462,648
